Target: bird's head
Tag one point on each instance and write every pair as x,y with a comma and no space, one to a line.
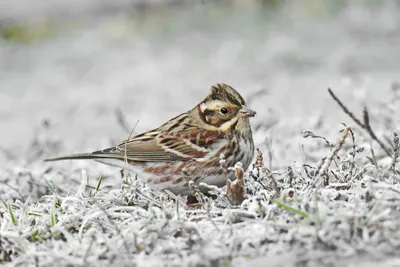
224,107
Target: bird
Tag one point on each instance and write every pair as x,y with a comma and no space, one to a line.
188,148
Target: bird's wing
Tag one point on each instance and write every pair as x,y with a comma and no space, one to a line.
161,146
157,146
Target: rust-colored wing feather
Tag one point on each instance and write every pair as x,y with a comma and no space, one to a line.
158,147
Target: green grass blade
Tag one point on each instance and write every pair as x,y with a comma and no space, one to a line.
13,219
52,215
52,189
99,183
290,208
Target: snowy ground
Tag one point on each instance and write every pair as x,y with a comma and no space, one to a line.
71,72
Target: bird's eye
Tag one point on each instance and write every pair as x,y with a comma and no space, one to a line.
224,110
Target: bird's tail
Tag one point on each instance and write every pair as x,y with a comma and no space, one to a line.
75,156
101,154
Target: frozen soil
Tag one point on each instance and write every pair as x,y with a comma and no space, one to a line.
325,194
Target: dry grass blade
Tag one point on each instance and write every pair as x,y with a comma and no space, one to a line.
126,146
307,134
272,182
173,196
345,109
396,150
368,128
325,163
395,156
336,149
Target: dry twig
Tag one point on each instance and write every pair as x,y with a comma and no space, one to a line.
365,125
122,120
235,190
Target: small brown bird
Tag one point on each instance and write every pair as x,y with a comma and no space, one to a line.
189,146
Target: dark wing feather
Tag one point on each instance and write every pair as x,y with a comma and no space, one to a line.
161,147
148,147
143,150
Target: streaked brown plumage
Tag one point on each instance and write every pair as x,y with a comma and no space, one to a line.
189,146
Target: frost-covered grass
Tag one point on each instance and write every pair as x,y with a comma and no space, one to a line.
337,209
325,193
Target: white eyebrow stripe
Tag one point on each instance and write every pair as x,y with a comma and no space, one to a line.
213,105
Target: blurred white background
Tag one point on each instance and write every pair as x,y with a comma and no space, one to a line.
68,68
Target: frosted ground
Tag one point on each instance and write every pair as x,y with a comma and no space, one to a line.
77,77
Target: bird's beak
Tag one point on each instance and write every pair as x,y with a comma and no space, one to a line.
246,112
